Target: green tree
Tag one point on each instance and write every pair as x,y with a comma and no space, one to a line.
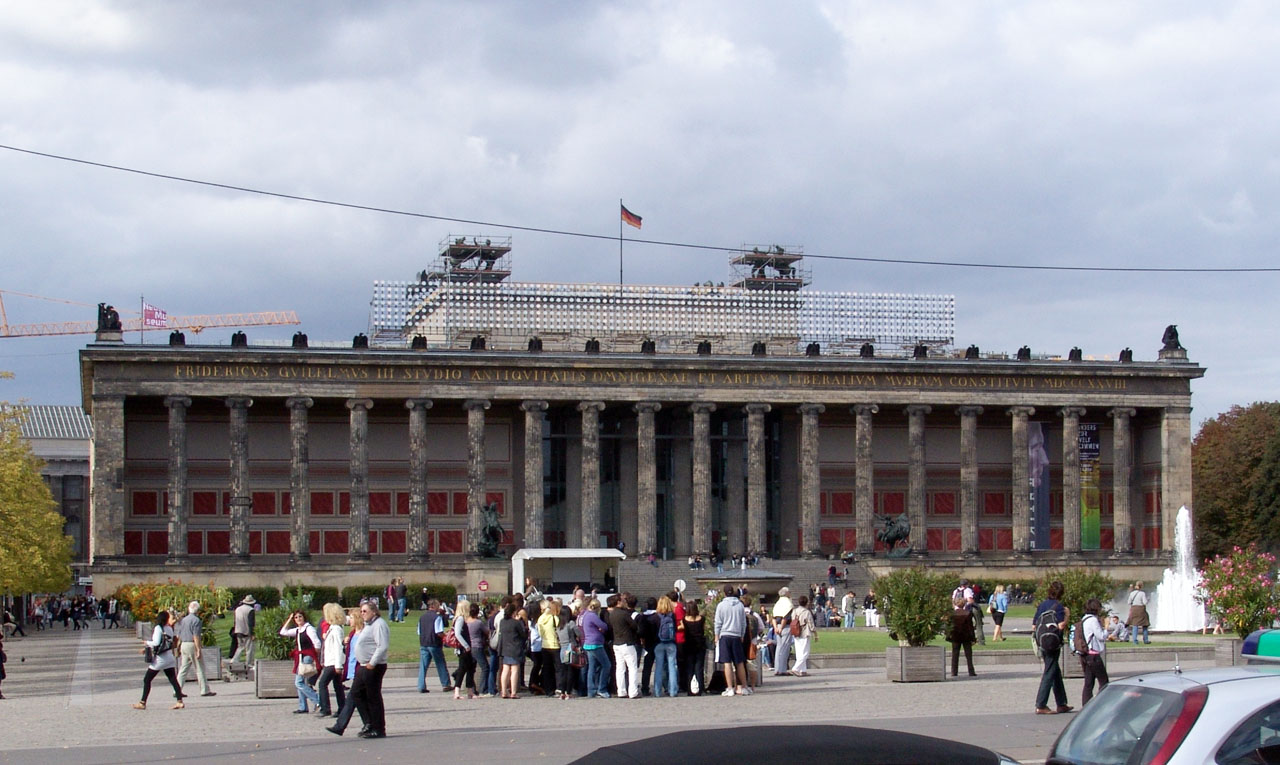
35,556
1235,463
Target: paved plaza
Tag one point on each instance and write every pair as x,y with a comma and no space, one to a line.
68,697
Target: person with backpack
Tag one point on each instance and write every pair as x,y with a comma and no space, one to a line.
1050,622
1091,644
161,644
665,675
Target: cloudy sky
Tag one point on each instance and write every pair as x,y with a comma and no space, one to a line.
1139,134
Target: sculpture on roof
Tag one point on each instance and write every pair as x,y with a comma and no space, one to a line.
108,318
1170,338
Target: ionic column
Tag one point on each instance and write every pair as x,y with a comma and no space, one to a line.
757,527
1175,469
591,472
702,477
178,512
1121,475
299,478
969,478
1021,489
359,535
916,477
240,500
735,508
418,407
646,478
864,479
106,496
1071,477
809,479
475,472
534,512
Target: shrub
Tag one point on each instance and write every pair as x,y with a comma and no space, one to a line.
269,597
916,605
445,593
351,596
321,594
1240,589
266,632
1079,585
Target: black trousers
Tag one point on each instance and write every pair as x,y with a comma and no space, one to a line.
346,709
955,658
330,676
1094,669
551,670
170,673
465,675
646,671
366,689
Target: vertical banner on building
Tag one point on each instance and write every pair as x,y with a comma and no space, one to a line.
1038,470
1090,487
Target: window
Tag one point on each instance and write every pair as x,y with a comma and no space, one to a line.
1261,729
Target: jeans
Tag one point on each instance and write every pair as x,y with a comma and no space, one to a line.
598,666
426,655
783,651
402,606
329,676
665,659
846,619
626,674
305,692
1133,634
1051,680
495,663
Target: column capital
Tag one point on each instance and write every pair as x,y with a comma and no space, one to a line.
1177,411
918,410
239,402
475,403
643,407
1121,412
533,405
701,407
360,403
757,408
1020,411
968,411
176,401
1071,411
867,409
418,403
584,406
299,402
108,398
811,409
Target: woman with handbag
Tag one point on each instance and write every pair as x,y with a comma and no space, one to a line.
306,658
335,659
159,653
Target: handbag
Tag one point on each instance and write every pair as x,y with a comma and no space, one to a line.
306,667
148,654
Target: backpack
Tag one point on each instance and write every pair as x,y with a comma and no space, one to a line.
1047,635
666,629
1079,644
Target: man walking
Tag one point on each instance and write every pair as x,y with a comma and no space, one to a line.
242,629
431,646
782,631
729,627
371,665
189,628
113,613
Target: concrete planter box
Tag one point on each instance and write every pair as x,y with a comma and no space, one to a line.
1070,664
211,660
1226,652
143,630
910,664
274,679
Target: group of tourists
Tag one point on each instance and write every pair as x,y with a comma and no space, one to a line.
74,612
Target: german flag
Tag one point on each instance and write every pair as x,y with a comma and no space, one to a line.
630,218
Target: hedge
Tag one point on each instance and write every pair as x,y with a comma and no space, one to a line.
445,593
269,597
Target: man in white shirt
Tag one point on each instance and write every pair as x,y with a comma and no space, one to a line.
847,604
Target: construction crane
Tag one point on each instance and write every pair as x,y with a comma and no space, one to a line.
195,323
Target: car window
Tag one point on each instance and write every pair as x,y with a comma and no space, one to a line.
1261,729
1116,724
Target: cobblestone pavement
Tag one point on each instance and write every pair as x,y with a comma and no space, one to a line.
71,692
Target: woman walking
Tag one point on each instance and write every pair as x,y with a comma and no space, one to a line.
348,706
549,630
306,658
334,659
161,644
961,634
998,606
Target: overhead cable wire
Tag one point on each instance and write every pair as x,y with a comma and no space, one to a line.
611,238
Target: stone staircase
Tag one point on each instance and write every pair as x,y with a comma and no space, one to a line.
644,580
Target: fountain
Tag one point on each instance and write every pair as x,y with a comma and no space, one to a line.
1174,607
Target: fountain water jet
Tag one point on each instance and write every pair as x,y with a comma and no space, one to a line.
1175,608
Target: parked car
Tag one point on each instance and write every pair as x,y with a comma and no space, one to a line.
1224,716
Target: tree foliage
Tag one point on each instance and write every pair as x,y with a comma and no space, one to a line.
1078,586
1235,460
916,604
35,556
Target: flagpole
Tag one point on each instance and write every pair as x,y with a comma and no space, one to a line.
619,243
142,311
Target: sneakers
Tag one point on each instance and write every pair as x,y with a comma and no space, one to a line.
728,692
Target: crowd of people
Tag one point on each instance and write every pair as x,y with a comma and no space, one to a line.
73,612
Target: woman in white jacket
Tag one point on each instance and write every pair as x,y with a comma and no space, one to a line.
334,659
162,643
307,652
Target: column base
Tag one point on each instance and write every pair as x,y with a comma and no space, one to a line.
358,558
419,558
300,558
177,560
970,554
240,560
108,560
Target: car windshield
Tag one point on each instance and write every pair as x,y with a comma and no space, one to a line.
1117,724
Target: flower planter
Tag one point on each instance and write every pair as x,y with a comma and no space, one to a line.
144,630
274,679
211,659
1226,652
912,664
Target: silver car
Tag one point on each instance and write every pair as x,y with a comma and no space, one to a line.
1209,717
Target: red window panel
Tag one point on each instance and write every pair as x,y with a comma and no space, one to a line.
437,503
335,543
344,503
255,542
264,503
878,546
1004,539
893,503
379,503
449,541
431,541
842,503
393,542
313,541
195,543
823,505
286,502
322,503
850,539
278,543
204,503
1055,503
509,538
402,503
944,503
953,539
226,503
1055,539
146,503
986,539
993,503
1151,539
829,537
459,504
373,542
500,498
1107,539
933,539
217,542
157,543
550,539
1108,503
1151,502
799,540
133,543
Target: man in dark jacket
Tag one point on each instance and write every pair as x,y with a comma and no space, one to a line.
648,622
626,639
431,626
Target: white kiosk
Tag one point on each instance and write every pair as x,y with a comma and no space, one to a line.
558,571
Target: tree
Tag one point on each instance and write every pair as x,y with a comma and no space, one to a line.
1235,463
35,556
